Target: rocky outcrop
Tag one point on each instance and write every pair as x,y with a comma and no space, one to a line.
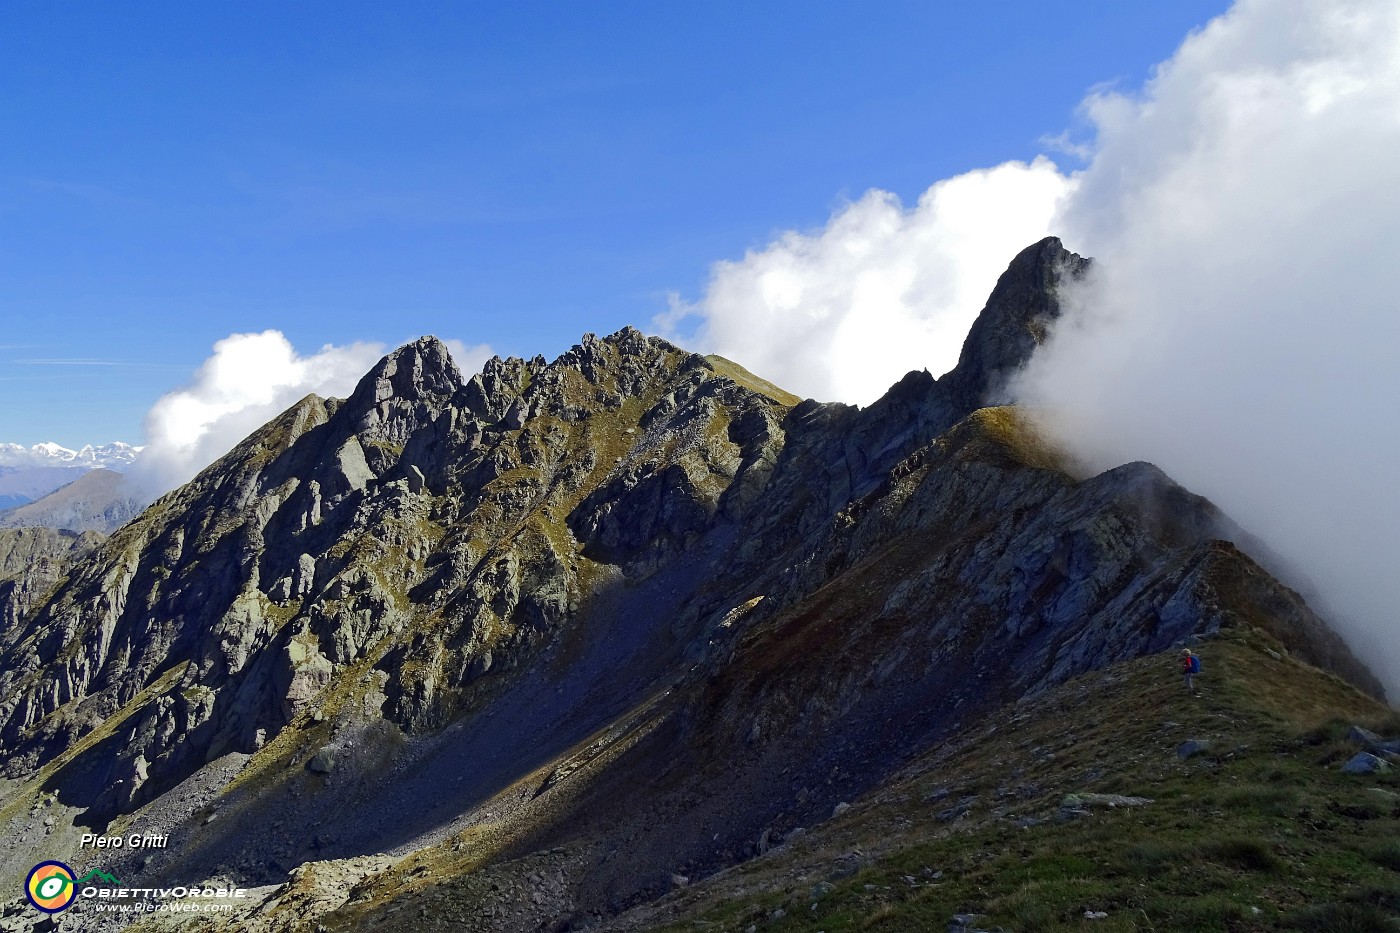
32,562
1020,313
23,549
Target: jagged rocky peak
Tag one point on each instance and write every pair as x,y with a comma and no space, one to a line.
423,367
407,388
1017,319
488,395
625,358
344,533
595,374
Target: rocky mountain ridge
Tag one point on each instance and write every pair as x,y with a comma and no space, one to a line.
470,613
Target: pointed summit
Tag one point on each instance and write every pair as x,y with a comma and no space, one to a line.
421,368
1015,321
417,379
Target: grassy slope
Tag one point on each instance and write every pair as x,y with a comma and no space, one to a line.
1260,832
749,381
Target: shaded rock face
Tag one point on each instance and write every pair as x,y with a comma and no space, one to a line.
32,561
1026,302
631,567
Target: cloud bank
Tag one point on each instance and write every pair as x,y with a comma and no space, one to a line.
1241,330
844,311
249,379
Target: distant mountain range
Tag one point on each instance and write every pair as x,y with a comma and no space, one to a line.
114,456
30,474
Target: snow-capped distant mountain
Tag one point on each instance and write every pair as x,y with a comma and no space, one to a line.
114,456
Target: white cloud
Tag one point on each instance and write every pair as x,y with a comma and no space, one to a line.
249,379
845,311
469,358
1242,329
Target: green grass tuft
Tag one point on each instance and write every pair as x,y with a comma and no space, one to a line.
1342,918
1240,852
1148,857
1270,799
1386,854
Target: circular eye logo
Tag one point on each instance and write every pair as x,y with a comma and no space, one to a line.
50,887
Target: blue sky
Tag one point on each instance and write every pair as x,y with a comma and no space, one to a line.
503,173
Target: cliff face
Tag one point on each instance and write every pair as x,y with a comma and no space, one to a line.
639,592
32,562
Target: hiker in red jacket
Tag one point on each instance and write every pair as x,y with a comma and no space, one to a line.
1190,666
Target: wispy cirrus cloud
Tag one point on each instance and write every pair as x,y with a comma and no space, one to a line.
87,361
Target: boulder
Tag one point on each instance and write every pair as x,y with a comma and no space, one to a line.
1365,763
1190,748
1363,736
1079,801
1372,742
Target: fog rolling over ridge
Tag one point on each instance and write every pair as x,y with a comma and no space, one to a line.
1240,329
